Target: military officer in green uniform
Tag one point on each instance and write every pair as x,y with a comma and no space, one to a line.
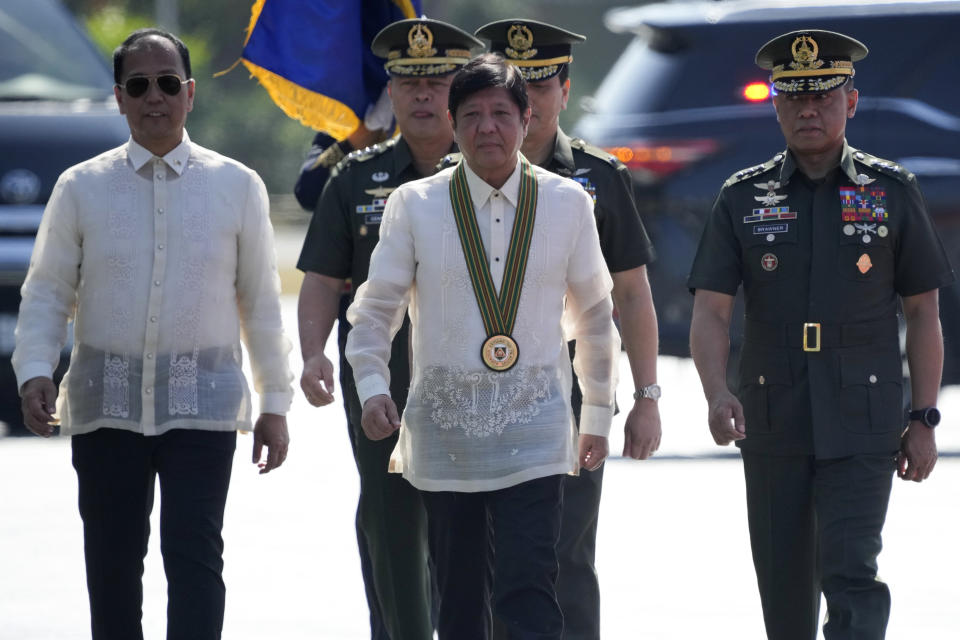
827,241
543,54
422,56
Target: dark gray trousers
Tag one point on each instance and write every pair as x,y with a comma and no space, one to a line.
815,527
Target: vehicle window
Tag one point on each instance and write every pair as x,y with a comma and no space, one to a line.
45,57
637,83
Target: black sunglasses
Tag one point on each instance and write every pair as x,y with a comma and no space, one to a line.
169,84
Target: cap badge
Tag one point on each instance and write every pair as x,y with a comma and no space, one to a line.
521,39
421,42
805,50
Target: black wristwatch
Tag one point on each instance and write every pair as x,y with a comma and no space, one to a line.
929,416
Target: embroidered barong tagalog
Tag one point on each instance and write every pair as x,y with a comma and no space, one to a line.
499,351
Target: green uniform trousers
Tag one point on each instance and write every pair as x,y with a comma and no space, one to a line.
815,527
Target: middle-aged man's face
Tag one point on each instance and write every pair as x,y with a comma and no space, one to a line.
547,99
814,123
420,105
156,119
489,128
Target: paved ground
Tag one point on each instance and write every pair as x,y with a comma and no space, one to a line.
673,550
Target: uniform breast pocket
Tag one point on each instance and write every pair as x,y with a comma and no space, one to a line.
865,255
871,392
766,382
770,251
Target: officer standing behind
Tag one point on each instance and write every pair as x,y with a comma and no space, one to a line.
542,53
422,57
827,241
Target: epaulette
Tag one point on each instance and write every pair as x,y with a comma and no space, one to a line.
449,160
362,155
755,170
886,167
596,152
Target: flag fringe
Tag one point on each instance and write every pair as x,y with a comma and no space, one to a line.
308,107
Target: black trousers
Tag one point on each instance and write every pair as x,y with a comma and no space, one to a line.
116,473
815,527
495,555
578,587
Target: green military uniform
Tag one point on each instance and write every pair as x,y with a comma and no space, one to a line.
823,264
542,51
391,521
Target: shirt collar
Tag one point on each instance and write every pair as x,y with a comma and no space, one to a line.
846,162
480,190
175,159
562,151
789,165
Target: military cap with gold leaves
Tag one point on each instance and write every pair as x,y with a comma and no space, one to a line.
538,49
810,61
424,47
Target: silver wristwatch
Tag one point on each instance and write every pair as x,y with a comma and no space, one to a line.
651,391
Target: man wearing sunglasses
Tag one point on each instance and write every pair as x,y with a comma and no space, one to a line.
147,247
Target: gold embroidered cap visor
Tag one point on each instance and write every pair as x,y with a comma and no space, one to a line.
424,47
810,60
538,50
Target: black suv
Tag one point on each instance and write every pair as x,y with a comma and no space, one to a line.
685,107
56,109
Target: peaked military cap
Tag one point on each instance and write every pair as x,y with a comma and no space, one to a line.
423,47
538,49
810,61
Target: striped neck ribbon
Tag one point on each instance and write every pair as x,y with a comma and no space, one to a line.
498,312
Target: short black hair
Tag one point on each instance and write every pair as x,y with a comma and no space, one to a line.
485,71
564,72
131,43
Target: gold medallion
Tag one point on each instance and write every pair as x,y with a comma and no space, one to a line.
499,352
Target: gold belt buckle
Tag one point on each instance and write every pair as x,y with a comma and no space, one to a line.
806,332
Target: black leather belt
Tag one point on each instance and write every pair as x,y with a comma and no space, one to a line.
813,336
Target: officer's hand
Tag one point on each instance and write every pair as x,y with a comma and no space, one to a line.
918,452
641,430
270,431
380,418
38,398
593,451
725,415
317,380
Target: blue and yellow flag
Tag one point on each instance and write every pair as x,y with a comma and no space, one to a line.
314,59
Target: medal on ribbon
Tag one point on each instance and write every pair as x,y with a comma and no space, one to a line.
499,312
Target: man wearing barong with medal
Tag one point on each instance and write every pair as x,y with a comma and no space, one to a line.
488,430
